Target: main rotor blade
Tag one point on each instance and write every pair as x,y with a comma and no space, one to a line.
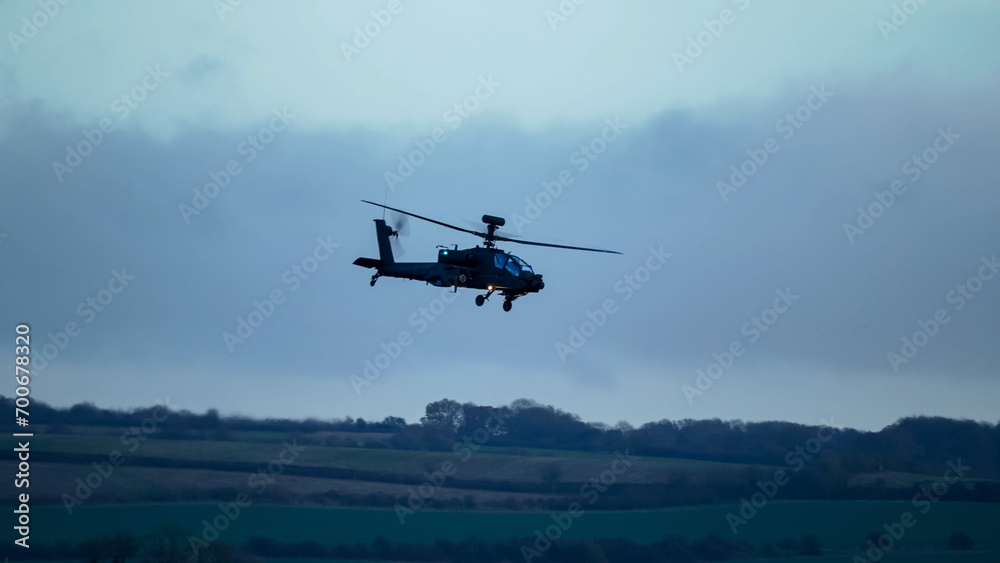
478,234
533,243
495,236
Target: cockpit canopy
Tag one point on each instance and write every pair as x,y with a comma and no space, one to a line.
512,264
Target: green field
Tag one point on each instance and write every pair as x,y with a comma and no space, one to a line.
484,464
841,526
838,524
907,557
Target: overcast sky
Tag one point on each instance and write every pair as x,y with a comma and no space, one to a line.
726,146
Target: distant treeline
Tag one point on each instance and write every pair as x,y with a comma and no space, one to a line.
923,445
87,414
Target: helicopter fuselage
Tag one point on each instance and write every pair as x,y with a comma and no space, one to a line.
483,267
486,268
491,269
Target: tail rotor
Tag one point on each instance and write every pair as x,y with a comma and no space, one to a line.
400,226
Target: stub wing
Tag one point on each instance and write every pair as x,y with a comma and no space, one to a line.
368,262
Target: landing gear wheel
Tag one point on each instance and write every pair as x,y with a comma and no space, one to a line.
480,299
507,304
374,279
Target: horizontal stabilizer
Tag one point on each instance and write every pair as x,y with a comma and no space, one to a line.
368,262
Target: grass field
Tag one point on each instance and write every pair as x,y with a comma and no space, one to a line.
482,465
906,557
147,484
839,525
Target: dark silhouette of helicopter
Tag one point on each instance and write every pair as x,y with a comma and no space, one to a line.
483,267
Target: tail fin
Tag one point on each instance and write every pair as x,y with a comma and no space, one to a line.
382,232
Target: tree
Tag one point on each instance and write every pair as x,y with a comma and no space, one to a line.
393,422
624,427
211,418
446,413
521,404
476,418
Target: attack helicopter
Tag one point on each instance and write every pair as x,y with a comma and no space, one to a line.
483,267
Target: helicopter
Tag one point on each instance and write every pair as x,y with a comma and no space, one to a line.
483,267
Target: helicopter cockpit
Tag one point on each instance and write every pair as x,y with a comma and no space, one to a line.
512,264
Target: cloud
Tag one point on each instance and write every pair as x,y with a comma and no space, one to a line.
656,185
